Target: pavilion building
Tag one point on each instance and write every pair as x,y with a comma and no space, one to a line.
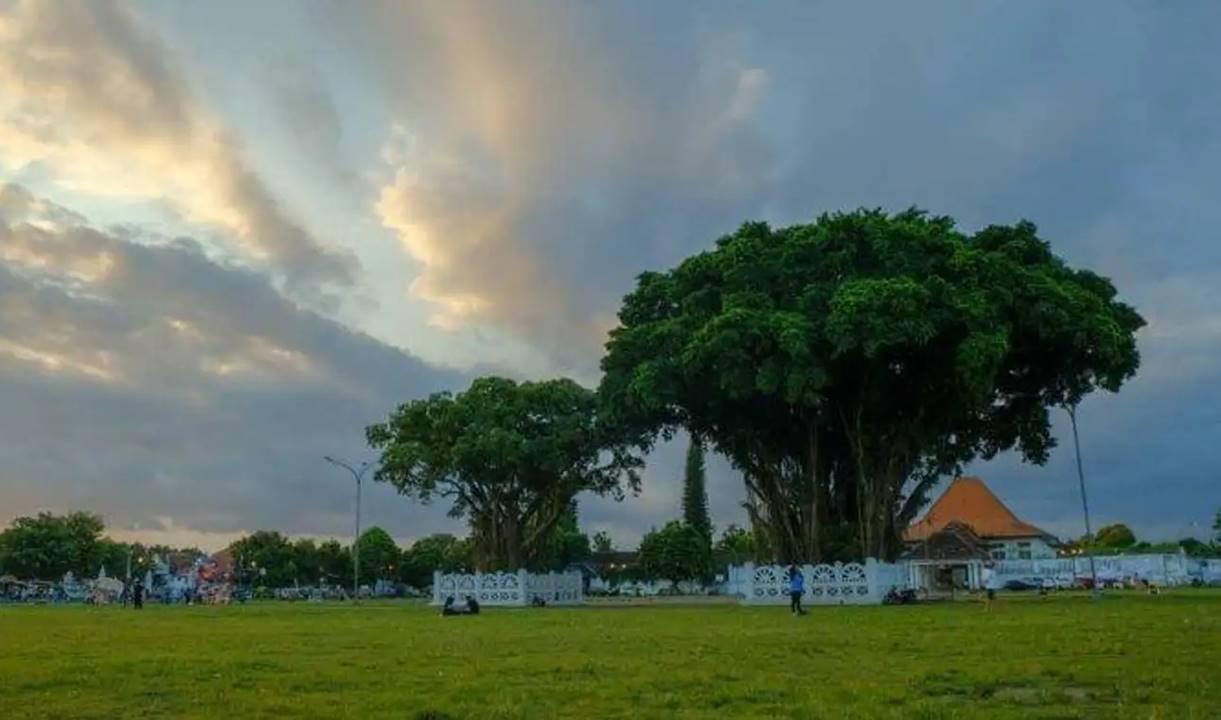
966,527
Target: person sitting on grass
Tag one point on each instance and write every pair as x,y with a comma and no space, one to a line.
797,588
471,607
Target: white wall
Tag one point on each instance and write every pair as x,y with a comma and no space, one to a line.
1021,549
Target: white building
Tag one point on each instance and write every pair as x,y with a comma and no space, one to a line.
969,501
965,528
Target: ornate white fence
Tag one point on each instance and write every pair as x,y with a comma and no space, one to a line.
851,583
838,584
509,588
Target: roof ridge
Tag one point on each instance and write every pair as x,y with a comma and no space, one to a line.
969,499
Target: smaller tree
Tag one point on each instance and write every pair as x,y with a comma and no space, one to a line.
442,552
567,545
695,491
306,561
737,545
379,555
1217,527
335,563
676,552
47,546
265,557
603,543
1117,536
1196,549
510,456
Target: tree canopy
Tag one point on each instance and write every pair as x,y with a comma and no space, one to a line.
675,552
736,545
442,552
267,558
602,542
47,546
1115,536
845,365
511,457
379,555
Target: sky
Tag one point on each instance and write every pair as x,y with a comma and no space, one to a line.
234,234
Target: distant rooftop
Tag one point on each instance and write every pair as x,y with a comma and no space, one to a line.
969,501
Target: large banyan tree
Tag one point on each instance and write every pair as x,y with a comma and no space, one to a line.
511,457
846,365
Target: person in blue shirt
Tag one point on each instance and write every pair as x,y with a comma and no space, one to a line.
797,587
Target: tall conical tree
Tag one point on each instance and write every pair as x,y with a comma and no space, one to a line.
695,493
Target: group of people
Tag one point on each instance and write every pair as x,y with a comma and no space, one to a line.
135,592
470,607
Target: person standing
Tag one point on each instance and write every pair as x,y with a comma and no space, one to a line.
992,583
797,588
137,595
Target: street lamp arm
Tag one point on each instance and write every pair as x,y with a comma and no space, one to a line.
357,473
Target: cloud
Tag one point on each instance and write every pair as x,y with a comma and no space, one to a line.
526,162
93,94
309,113
147,381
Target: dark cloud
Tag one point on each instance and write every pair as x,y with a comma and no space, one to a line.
148,382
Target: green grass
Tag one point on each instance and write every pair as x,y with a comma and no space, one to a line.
1130,656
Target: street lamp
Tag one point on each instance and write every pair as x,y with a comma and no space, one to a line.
357,473
1095,592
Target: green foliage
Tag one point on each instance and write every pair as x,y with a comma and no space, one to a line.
1115,536
735,546
695,492
265,558
379,556
844,366
676,552
269,559
602,542
511,457
47,546
1190,546
568,544
442,552
307,561
1217,527
1197,549
334,563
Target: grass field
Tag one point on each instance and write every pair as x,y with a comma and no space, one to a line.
1129,656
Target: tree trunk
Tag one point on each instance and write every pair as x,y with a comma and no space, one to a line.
812,458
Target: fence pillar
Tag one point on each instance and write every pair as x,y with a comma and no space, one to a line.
523,579
436,588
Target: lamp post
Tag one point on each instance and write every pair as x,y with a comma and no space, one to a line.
1095,592
357,474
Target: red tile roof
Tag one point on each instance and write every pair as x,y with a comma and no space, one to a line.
968,500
